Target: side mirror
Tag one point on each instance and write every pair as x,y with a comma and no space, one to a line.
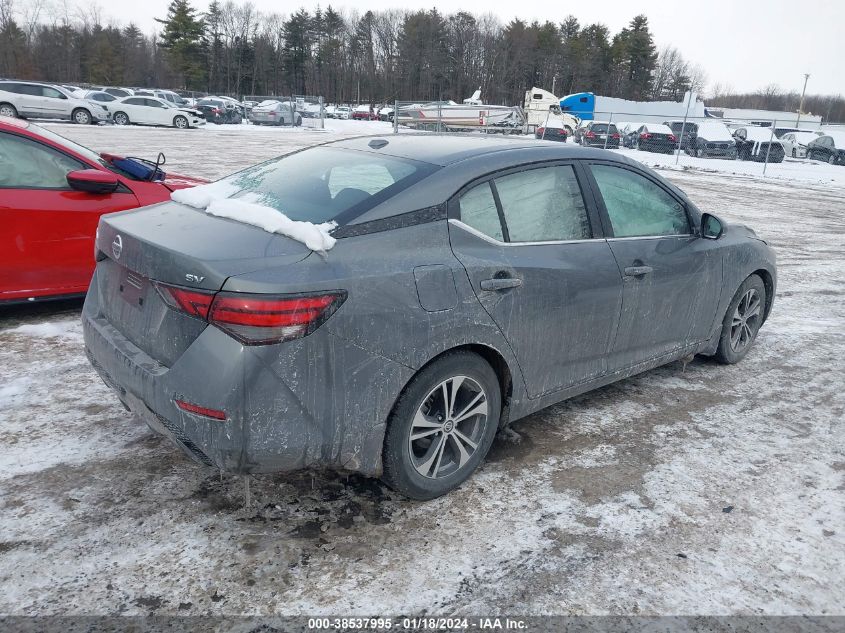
93,181
711,227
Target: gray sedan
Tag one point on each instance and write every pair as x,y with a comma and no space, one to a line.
473,281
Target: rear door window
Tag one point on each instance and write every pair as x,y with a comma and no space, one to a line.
541,205
638,207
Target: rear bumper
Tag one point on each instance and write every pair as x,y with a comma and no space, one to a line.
287,407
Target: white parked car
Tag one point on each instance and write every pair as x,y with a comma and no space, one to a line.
795,143
343,112
45,101
153,111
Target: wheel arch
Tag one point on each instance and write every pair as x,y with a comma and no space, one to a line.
769,285
492,356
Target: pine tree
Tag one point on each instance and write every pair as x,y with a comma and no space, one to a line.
181,38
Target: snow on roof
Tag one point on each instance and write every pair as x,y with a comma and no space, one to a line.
758,134
804,136
658,128
714,131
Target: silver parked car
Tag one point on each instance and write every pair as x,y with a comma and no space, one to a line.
31,99
274,113
473,281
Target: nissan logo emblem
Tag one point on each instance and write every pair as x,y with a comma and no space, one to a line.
117,247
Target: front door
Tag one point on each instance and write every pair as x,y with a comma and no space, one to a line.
546,278
47,241
671,277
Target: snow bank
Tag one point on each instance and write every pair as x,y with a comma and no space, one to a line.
58,329
215,199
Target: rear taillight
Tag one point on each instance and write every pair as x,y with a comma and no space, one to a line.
256,319
615,136
195,303
590,135
672,138
645,135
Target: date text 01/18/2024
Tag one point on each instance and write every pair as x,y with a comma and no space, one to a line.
416,624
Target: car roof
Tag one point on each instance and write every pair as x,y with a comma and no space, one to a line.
442,150
468,157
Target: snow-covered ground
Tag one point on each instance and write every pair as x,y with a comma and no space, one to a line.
702,489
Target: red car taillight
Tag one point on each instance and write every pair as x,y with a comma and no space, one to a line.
256,319
615,136
195,303
672,138
645,135
590,135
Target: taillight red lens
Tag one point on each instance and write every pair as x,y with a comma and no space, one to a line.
645,135
262,319
196,303
672,138
590,135
255,319
205,411
615,136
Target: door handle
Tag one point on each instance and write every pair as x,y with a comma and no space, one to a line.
637,271
500,283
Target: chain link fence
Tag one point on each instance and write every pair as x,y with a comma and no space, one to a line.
685,136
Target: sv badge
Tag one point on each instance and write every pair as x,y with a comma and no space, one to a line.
196,279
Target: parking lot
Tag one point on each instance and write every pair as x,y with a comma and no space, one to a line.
698,489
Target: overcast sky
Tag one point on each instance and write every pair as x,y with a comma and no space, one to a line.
744,44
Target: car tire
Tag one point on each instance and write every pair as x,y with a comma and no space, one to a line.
7,109
831,160
742,321
120,118
699,153
81,116
415,467
794,153
181,122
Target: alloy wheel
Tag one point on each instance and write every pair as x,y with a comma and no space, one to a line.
746,320
7,111
181,122
448,427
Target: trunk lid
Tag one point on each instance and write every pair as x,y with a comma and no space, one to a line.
177,245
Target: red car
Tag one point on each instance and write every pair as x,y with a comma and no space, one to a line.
52,194
364,114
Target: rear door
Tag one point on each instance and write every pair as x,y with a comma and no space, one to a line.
535,256
671,277
47,241
31,100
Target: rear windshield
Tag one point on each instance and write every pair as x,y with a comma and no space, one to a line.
325,184
688,127
601,128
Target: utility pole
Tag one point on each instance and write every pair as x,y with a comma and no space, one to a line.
801,104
